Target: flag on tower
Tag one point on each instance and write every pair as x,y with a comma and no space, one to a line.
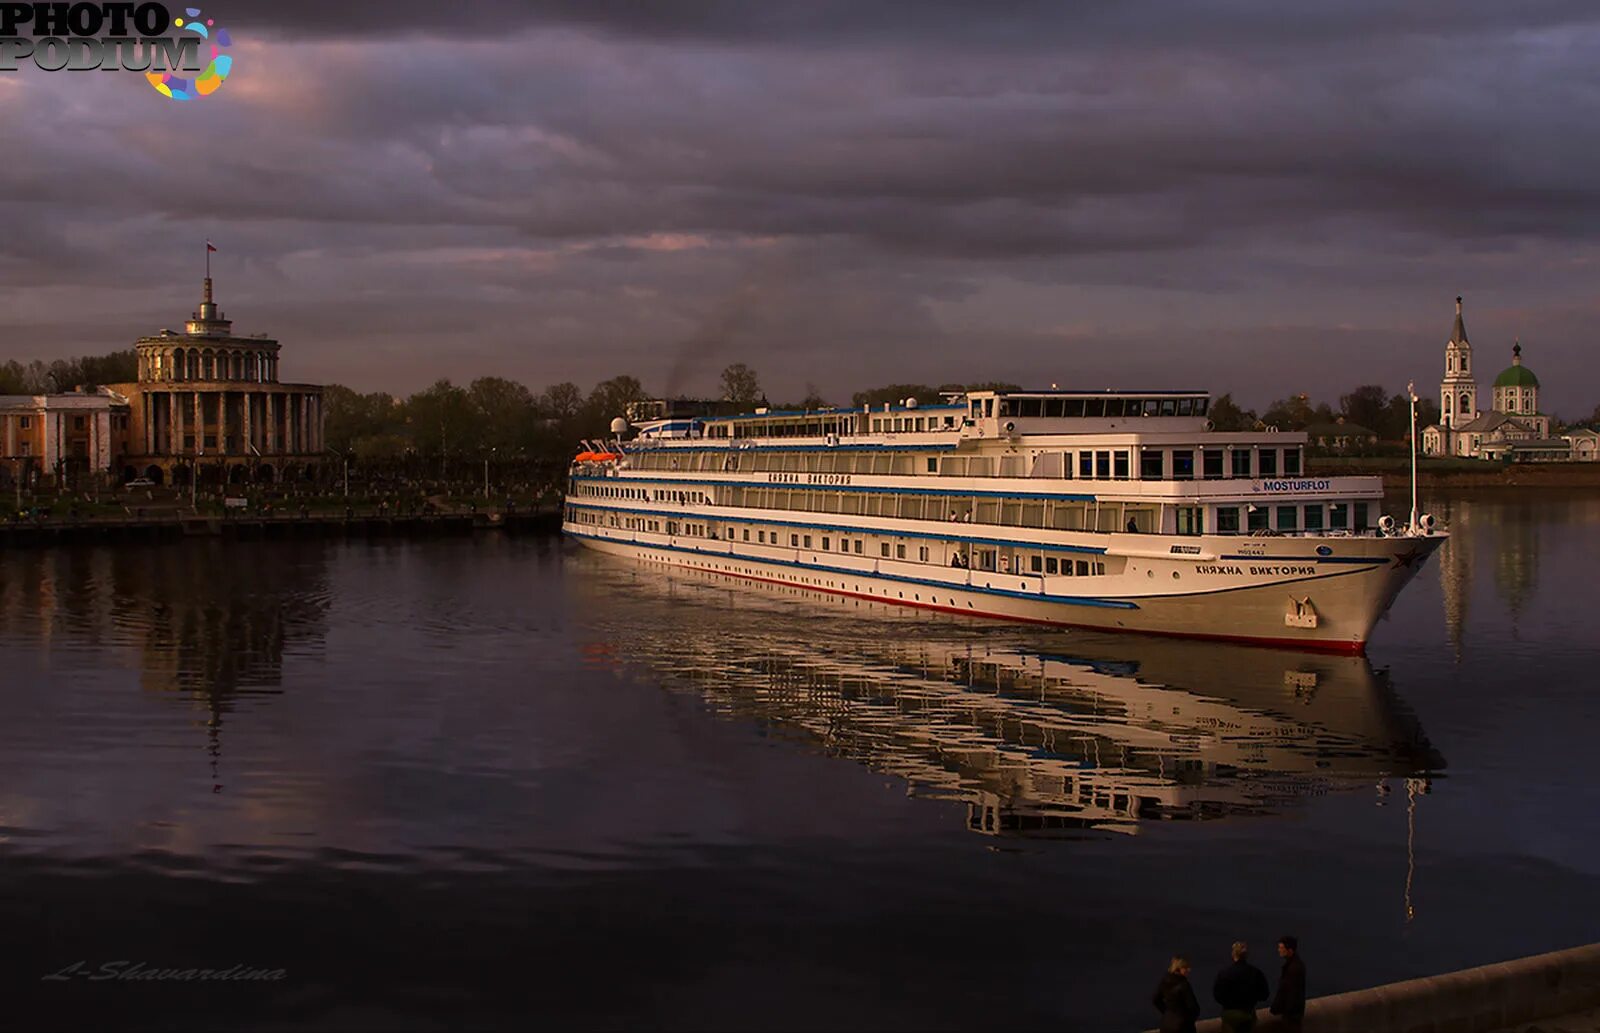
210,246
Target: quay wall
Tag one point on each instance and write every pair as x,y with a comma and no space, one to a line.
1474,1000
45,533
1461,474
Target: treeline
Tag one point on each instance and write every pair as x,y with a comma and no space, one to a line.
38,377
500,418
493,416
1369,407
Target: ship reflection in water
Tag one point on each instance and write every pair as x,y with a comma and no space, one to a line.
1038,733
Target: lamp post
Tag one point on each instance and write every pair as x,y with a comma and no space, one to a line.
1411,390
492,451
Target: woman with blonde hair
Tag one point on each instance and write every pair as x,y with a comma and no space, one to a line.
1174,998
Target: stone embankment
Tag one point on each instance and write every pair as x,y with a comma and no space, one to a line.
1464,474
1547,993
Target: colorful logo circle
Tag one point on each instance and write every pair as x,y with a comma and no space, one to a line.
207,82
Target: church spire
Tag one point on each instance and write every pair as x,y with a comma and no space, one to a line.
1459,334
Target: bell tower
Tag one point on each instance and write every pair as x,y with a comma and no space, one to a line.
1458,392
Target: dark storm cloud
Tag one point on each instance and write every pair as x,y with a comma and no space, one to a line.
833,192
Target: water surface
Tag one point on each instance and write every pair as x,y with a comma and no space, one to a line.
499,782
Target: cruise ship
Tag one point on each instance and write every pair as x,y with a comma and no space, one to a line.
1116,510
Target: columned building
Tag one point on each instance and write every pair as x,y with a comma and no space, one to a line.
68,438
210,404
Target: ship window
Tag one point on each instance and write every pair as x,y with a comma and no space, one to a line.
1073,407
1339,516
1268,463
1102,465
883,549
900,552
1085,464
1083,568
1185,406
1054,407
1241,462
1227,519
1036,563
1051,565
1361,516
1030,407
922,553
1258,518
858,546
1008,407
747,534
1152,406
1094,406
1211,460
1291,462
1119,464
1191,520
1183,464
1169,407
1150,464
1313,518
1288,518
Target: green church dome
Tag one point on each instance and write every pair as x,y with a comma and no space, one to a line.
1516,374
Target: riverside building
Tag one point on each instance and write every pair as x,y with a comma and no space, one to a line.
210,404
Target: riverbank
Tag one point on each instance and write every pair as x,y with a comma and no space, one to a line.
353,522
1544,992
1460,474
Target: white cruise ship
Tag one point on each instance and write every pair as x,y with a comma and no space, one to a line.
1119,510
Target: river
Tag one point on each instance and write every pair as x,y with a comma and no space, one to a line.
503,782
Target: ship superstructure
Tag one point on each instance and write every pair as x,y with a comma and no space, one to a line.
1116,510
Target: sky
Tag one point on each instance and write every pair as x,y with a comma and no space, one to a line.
1259,198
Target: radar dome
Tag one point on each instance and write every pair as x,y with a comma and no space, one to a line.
619,426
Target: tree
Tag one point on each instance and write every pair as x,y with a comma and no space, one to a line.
1226,415
505,411
608,400
352,416
740,385
441,421
119,367
1292,413
561,402
893,393
13,379
1367,406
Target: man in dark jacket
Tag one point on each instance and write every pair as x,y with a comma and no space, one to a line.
1290,1002
1238,988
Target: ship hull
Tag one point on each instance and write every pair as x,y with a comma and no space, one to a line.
1282,594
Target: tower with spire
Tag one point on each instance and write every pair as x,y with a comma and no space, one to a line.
1512,428
1458,391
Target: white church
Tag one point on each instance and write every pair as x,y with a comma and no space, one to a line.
1514,427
